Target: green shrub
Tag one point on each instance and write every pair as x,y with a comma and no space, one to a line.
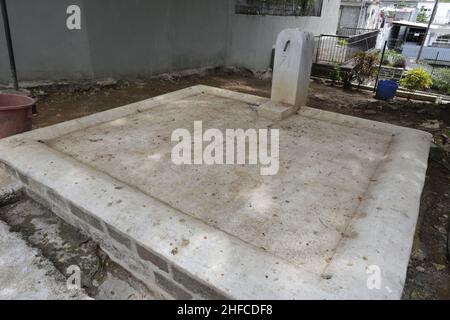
399,62
394,59
343,42
365,65
441,81
422,16
335,74
417,79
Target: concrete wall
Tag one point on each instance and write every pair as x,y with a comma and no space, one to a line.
142,37
252,37
117,38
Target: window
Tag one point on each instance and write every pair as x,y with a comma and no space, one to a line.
445,39
280,7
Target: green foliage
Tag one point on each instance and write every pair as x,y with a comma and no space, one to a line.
394,59
441,80
365,65
335,74
417,79
343,42
422,16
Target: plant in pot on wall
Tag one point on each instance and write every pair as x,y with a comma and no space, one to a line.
416,79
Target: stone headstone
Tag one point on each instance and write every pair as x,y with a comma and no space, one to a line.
291,75
292,68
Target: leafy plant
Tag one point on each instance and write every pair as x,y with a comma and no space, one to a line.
399,62
401,4
417,79
394,59
335,74
441,80
342,42
364,67
422,16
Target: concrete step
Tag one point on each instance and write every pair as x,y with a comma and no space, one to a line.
25,274
45,250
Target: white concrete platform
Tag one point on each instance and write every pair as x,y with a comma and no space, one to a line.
343,205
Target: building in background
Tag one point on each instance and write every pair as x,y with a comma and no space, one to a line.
406,38
442,13
399,10
399,3
359,14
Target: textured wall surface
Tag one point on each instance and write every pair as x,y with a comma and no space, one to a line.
142,37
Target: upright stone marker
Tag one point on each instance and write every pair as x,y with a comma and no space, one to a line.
292,70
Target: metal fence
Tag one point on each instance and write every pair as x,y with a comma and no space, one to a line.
338,49
436,55
350,32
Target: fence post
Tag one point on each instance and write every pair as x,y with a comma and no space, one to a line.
318,49
435,62
9,45
379,68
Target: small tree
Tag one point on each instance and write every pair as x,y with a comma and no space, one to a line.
335,74
422,16
401,4
365,64
441,80
416,79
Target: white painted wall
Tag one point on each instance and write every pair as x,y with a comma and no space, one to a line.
252,37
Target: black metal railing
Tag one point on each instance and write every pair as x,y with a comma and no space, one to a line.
338,49
349,32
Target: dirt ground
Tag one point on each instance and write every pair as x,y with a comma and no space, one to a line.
429,272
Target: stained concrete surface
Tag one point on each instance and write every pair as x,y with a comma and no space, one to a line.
59,246
25,274
9,188
371,202
424,280
290,214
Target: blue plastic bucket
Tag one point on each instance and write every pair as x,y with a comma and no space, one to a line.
386,89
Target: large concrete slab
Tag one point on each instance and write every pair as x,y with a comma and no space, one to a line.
343,205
